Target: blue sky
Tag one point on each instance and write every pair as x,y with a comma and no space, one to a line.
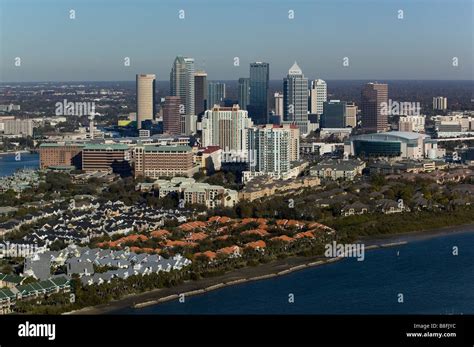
92,47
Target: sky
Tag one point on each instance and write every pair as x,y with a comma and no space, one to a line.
378,45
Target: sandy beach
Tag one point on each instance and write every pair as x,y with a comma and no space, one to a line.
260,272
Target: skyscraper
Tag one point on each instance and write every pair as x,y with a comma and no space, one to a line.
278,104
244,92
171,115
334,115
373,97
226,127
318,96
182,82
216,94
295,95
200,92
145,98
258,106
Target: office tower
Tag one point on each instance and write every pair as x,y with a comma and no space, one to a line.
318,96
269,148
374,96
440,103
278,104
334,115
226,127
295,95
258,106
351,115
216,94
182,82
157,161
244,92
145,98
60,155
200,92
171,115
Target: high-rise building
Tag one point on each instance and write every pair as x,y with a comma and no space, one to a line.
318,96
258,106
226,127
145,98
351,115
200,92
244,92
412,123
269,150
182,82
278,104
295,95
106,158
440,103
216,94
171,115
334,115
374,96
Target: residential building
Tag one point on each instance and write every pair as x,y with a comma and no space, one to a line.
163,161
146,92
22,127
440,103
374,96
344,169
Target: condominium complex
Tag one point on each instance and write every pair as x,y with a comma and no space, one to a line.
374,96
60,155
318,96
163,161
145,98
226,127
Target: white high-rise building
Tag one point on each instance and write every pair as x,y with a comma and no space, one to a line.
278,104
226,127
295,95
270,150
318,96
440,103
145,98
182,82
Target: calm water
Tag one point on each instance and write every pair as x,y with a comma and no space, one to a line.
8,164
432,280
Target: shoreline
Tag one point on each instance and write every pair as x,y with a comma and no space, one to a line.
263,271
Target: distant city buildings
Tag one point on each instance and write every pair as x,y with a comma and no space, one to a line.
374,95
216,94
259,78
244,92
278,104
318,96
145,84
455,124
351,115
23,127
9,108
163,161
200,92
226,127
440,103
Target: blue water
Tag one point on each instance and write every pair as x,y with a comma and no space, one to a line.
8,164
431,279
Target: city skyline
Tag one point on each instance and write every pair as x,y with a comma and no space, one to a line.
369,34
